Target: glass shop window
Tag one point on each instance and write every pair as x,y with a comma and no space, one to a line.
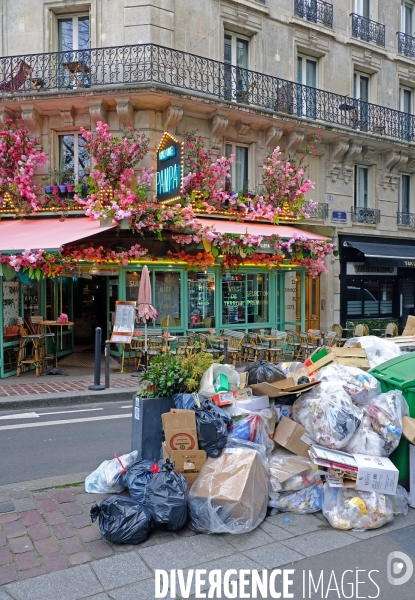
201,299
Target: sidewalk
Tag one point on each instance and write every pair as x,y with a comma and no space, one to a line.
49,549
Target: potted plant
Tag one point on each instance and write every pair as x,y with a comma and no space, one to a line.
262,332
69,179
54,178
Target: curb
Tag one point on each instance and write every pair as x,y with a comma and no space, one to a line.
45,483
67,398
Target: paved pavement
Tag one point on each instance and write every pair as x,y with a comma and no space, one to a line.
49,551
62,440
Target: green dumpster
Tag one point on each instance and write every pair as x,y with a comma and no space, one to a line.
399,374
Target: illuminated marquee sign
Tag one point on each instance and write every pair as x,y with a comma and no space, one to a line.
169,176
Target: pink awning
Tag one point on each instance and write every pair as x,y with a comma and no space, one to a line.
283,231
48,234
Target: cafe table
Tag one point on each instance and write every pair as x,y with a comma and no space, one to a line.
57,324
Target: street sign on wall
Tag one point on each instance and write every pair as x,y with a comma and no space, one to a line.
338,216
169,176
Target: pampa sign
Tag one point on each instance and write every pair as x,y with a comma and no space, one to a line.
169,176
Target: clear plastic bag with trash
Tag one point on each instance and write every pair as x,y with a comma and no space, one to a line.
346,508
400,502
296,370
106,478
328,414
366,440
253,429
360,386
305,501
385,413
290,473
378,350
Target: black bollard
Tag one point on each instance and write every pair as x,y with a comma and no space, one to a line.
97,365
107,364
225,351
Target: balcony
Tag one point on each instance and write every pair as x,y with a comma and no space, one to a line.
315,11
405,219
365,215
122,68
321,211
367,30
406,44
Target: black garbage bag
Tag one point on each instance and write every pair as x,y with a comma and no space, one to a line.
261,371
165,498
122,520
212,429
184,401
137,477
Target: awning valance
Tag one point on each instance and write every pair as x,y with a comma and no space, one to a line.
285,232
385,254
48,234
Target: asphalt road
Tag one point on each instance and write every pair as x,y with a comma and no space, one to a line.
49,442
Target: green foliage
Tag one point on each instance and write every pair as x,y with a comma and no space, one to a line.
169,374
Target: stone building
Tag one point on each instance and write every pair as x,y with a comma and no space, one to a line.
247,75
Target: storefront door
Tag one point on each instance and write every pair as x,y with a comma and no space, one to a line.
91,310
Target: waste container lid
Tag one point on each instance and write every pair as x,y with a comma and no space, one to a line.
399,371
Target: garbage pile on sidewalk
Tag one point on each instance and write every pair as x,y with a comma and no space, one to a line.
294,437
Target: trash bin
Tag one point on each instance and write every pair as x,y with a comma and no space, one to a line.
399,374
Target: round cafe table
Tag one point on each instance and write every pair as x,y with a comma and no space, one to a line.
54,370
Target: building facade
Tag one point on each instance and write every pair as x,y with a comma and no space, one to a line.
247,75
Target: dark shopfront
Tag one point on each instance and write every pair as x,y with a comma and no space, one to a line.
377,280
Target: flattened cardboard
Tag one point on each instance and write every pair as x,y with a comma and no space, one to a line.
288,434
195,459
408,429
285,387
180,430
292,466
409,327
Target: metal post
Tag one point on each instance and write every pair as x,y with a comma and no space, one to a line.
107,364
97,365
225,351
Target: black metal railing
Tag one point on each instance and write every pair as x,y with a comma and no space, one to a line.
406,44
315,11
406,219
365,215
320,211
367,30
121,67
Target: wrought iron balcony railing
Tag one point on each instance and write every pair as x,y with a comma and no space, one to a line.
367,30
321,211
406,44
315,11
365,215
406,219
123,67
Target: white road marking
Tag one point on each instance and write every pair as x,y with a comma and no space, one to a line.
127,406
31,415
63,422
66,412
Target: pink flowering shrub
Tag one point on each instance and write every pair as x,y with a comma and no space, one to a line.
19,160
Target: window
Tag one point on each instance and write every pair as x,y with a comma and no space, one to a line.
245,298
405,194
361,86
201,296
73,157
73,33
239,169
406,107
369,298
74,41
361,90
362,8
407,25
166,288
361,187
306,97
236,59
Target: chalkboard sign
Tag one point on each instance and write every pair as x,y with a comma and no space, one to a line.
169,176
124,322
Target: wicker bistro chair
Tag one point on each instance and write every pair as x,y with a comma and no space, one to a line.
235,349
305,348
257,347
391,330
155,347
338,329
28,357
331,339
215,351
38,329
276,347
360,330
135,352
292,345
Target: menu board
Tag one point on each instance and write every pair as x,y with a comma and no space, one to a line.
122,332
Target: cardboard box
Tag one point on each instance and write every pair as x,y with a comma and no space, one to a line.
412,476
221,383
288,434
188,463
236,481
243,394
180,430
243,380
408,429
223,398
409,327
376,474
254,403
284,387
346,356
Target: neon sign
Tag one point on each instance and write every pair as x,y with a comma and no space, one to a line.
169,175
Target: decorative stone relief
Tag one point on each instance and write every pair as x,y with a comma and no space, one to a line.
98,111
337,150
294,139
348,160
272,137
32,119
242,128
5,114
172,117
219,124
393,160
125,112
67,115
